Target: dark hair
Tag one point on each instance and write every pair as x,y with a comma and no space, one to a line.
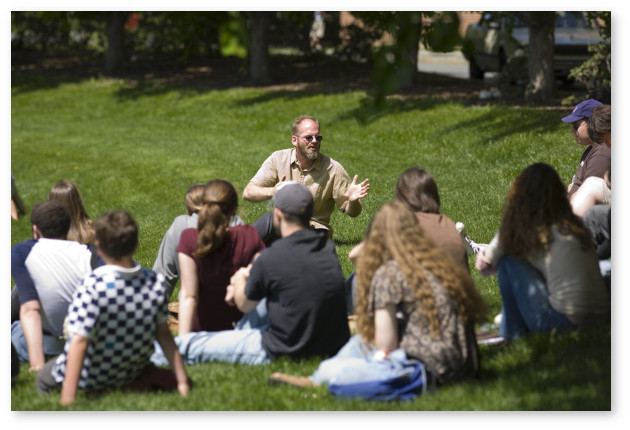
599,123
537,200
301,220
51,218
601,94
417,188
220,201
117,234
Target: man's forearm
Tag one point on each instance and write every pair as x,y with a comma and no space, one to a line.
255,193
354,208
31,321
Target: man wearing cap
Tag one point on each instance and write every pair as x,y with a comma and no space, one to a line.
299,281
326,179
596,158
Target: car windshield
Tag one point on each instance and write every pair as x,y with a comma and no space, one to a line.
564,19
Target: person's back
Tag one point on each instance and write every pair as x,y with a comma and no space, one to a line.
46,271
55,267
116,314
127,303
418,190
214,270
301,277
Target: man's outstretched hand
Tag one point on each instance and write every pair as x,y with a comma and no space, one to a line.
358,191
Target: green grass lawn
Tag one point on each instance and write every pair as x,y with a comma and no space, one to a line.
139,148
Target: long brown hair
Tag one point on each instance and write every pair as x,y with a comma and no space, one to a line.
537,200
395,234
418,189
81,228
219,204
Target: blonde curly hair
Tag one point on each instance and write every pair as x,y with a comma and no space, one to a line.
395,234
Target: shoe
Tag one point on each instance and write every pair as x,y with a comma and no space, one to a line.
469,244
278,378
496,341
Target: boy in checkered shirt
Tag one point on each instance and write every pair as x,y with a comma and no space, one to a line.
116,314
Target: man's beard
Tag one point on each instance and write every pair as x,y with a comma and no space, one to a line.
309,155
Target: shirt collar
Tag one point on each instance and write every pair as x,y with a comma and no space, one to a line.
317,165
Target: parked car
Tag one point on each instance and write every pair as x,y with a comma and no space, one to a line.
499,37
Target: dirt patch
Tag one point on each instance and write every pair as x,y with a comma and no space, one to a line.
290,74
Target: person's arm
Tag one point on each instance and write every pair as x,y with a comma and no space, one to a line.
355,193
237,290
31,320
189,293
385,329
353,255
487,259
74,364
165,339
256,193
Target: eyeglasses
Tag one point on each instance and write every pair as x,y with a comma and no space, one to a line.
310,138
577,124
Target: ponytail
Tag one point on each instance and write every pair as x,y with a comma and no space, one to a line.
219,202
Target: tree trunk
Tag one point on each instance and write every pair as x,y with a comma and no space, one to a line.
409,24
258,47
115,55
540,55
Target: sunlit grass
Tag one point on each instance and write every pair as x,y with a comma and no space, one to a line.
140,148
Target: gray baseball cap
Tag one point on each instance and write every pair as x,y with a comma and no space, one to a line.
294,198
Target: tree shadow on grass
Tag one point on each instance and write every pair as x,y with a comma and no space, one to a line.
568,371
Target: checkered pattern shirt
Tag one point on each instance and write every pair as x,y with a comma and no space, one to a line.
117,309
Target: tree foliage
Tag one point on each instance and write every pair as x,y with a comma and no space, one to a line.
596,71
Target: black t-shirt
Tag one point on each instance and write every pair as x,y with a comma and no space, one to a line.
302,280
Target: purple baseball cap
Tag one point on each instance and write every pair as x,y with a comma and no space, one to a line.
582,110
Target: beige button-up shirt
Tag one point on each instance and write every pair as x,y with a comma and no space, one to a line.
326,179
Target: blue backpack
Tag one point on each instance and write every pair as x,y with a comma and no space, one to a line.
395,378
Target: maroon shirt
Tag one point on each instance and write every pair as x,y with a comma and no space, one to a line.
214,272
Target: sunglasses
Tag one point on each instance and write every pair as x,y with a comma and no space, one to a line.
577,124
310,138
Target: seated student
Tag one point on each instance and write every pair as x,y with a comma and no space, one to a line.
417,188
300,282
595,190
543,254
595,159
116,314
46,270
592,201
166,262
81,228
208,256
401,271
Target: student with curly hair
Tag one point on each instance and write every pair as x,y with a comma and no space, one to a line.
410,297
67,192
544,258
208,257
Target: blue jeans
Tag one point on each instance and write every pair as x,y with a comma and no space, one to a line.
525,297
242,345
53,345
353,354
